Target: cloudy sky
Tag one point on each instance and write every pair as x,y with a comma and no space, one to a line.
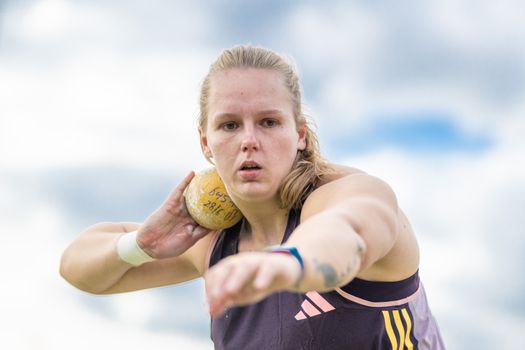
98,102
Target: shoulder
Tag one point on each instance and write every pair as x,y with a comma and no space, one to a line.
338,171
345,183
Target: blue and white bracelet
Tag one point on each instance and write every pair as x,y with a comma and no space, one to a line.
290,250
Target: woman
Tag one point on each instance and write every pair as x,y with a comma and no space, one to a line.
347,273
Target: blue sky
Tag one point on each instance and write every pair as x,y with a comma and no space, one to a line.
98,101
413,132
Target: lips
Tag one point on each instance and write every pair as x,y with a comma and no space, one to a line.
249,170
250,165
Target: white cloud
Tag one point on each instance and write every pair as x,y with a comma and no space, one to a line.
344,33
67,27
139,110
45,20
341,41
62,26
477,25
80,93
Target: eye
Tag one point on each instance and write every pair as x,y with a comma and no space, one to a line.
229,126
269,123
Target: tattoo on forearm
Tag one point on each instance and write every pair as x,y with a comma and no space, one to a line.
328,272
360,248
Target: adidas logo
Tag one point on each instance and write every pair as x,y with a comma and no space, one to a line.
313,305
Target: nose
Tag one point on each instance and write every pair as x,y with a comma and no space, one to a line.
249,141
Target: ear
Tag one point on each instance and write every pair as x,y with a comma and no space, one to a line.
302,132
204,144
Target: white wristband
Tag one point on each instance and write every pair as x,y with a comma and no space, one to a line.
129,250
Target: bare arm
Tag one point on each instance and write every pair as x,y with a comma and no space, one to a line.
349,226
91,262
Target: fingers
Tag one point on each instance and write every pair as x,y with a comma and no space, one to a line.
241,279
265,277
178,191
238,278
186,181
174,203
224,281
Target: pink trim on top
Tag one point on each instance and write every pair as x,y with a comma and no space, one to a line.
375,303
214,240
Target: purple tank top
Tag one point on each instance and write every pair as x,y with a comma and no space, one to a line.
361,315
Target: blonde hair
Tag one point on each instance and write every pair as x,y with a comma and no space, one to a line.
309,165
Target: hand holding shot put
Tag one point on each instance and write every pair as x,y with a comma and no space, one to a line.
170,230
296,252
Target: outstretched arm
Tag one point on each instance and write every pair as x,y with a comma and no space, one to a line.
347,227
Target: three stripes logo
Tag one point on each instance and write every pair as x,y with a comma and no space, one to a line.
313,305
398,327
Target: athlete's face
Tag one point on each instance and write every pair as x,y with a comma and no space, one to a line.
251,132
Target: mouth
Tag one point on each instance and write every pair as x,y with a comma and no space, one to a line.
250,171
250,165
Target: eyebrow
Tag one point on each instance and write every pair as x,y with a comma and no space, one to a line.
222,116
270,111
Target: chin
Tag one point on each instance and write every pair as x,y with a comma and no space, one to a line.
253,192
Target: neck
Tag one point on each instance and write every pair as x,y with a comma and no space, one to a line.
263,225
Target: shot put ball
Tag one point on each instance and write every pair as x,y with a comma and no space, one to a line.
208,202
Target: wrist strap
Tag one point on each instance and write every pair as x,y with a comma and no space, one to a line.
129,251
290,251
